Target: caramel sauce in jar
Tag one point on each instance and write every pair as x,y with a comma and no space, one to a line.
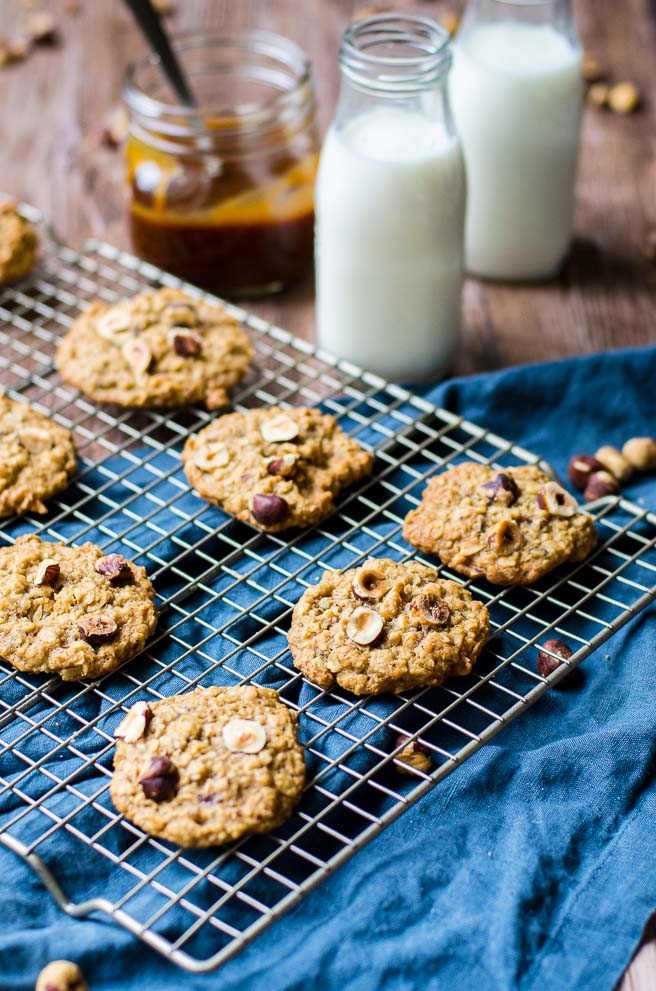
225,200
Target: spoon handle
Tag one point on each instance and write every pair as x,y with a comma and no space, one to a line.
157,38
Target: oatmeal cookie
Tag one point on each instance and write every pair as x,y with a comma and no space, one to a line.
160,348
210,766
72,611
511,526
386,627
37,458
274,468
18,244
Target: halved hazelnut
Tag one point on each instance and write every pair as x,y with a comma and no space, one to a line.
279,428
244,736
35,439
116,568
553,498
364,626
160,783
213,455
97,629
114,325
431,609
269,509
284,465
185,343
369,584
138,355
181,313
415,755
506,538
502,488
579,469
133,726
47,573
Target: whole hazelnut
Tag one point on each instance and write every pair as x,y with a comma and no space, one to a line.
614,462
547,664
624,98
61,975
269,509
641,453
160,783
579,469
600,484
414,755
598,94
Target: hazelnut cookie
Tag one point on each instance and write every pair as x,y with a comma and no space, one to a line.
511,526
37,458
161,348
274,468
210,766
386,627
72,611
18,244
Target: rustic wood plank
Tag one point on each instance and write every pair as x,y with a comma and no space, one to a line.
52,108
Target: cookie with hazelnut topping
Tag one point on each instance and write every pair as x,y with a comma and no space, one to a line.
511,526
386,626
37,458
274,468
18,244
161,348
209,766
71,611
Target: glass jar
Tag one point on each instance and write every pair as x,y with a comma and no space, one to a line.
517,96
222,195
390,203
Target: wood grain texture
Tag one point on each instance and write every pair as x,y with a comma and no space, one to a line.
52,108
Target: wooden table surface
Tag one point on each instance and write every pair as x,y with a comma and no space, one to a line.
52,107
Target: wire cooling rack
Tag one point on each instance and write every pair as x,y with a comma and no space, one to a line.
225,593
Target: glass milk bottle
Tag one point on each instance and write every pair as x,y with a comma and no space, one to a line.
517,96
390,204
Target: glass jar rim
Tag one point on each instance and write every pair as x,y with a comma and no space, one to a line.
257,42
394,73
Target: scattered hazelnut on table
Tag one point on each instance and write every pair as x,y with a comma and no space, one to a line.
41,27
600,484
598,94
548,664
579,469
61,975
624,98
641,453
591,68
614,461
115,128
414,755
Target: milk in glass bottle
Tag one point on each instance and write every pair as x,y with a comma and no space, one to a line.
517,95
390,202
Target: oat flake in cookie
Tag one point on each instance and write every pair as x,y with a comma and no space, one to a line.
210,766
274,468
510,526
160,348
386,627
65,610
37,458
18,244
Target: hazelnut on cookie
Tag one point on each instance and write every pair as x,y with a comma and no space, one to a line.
511,526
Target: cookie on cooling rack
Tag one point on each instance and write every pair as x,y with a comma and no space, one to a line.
72,611
274,468
18,244
37,458
511,526
160,348
386,627
210,766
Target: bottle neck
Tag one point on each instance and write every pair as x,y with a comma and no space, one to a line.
395,61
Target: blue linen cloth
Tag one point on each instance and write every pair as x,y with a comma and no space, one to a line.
531,867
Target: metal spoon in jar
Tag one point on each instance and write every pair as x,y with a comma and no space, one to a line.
158,39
